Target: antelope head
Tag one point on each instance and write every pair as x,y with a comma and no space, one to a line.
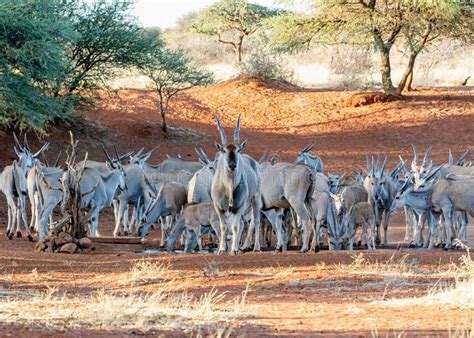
26,157
304,156
115,167
230,151
139,158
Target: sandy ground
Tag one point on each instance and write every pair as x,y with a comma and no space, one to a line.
288,294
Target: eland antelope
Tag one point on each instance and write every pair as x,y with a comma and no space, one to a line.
235,187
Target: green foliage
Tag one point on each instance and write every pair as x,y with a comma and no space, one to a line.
109,38
231,21
52,51
414,23
171,72
32,38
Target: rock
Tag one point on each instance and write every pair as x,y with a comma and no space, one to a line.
40,246
88,250
85,243
63,238
68,248
49,238
49,247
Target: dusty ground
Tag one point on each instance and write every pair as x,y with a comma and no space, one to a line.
264,293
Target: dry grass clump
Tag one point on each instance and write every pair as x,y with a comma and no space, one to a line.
458,293
145,272
395,266
129,307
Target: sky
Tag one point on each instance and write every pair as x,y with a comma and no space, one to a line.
165,13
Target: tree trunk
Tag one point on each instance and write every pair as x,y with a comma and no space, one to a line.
386,70
408,73
408,86
164,126
238,50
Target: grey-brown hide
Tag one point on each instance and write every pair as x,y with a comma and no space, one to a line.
140,194
45,193
452,194
360,214
235,186
14,185
287,185
169,201
194,217
381,192
323,212
199,187
15,189
312,161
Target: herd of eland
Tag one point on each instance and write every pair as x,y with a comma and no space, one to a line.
239,202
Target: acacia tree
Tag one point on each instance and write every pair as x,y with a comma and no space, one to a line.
109,39
171,72
231,21
414,23
32,39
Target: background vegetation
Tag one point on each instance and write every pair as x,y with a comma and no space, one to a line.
55,53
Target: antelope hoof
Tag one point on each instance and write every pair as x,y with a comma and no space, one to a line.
10,236
246,249
125,233
18,234
30,238
303,250
411,245
316,248
233,253
378,241
220,252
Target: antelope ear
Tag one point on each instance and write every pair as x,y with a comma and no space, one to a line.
219,147
242,145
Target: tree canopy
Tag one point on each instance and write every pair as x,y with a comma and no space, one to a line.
231,21
32,60
52,51
413,23
109,38
171,72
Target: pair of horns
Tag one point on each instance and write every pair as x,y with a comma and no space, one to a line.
118,158
308,148
375,167
414,163
202,155
25,148
145,155
224,135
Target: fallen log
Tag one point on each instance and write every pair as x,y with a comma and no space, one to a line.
116,240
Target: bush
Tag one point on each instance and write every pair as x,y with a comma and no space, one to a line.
351,66
262,65
32,62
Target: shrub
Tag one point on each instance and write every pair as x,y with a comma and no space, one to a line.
267,67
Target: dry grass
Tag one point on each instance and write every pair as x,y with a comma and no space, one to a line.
457,293
145,272
163,309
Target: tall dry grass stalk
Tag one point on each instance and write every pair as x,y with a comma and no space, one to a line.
162,309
